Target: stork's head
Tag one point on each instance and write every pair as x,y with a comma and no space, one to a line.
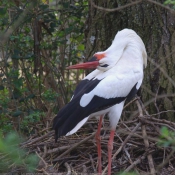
124,41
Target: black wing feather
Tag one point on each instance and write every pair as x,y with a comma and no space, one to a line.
71,114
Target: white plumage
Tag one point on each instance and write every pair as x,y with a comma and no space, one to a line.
118,76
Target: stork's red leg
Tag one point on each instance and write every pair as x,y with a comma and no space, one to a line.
110,148
98,140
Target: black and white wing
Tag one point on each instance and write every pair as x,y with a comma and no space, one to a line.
95,95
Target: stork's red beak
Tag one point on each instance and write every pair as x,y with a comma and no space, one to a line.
91,64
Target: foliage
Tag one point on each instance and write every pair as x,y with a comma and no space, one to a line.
167,138
29,121
38,40
11,155
170,2
49,95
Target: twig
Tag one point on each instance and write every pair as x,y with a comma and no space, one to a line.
165,161
160,68
159,120
92,162
155,102
30,142
77,144
131,4
136,162
65,158
62,148
68,168
161,5
141,107
159,96
5,34
163,112
88,161
45,152
146,142
84,170
114,9
129,103
41,158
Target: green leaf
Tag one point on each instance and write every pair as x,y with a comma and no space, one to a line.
11,153
31,96
1,87
81,47
3,11
43,6
66,5
16,113
16,55
28,56
31,162
16,94
164,132
22,100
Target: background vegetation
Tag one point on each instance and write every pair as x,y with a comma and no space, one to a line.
40,38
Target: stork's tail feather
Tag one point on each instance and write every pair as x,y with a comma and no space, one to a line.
69,121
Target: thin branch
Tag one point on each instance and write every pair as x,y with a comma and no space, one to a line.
162,70
136,162
165,161
114,9
41,159
146,142
5,34
162,112
130,4
161,5
76,145
68,168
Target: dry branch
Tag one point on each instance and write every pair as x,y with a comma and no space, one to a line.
145,138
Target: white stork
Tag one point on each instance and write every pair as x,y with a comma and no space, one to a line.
117,77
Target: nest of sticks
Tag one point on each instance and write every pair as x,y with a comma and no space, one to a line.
135,148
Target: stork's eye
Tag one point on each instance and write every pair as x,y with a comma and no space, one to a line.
104,65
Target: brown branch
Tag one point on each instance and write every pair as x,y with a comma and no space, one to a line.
41,159
114,9
62,148
76,145
5,34
131,102
146,142
130,4
30,142
92,163
161,69
155,102
165,161
161,5
136,162
68,168
84,170
163,112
